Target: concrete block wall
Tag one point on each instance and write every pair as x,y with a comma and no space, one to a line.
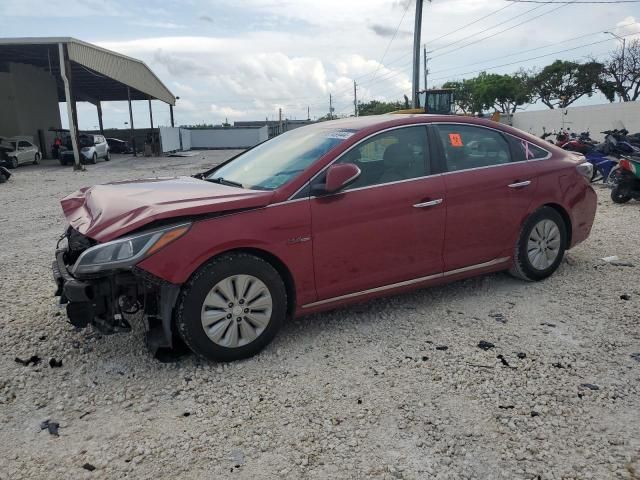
592,118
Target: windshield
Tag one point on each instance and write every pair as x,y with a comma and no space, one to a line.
277,161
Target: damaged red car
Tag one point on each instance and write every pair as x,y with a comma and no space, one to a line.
317,218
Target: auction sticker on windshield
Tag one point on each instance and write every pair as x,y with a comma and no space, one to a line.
341,134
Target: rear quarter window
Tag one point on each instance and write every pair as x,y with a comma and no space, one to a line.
525,150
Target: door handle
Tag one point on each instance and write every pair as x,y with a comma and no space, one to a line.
520,184
430,203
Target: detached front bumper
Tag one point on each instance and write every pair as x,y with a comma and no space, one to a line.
105,301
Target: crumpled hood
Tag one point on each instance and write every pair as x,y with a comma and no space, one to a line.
106,212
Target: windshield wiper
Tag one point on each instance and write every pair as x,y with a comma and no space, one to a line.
224,181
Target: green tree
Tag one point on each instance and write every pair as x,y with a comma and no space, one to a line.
376,107
465,96
561,83
623,76
504,93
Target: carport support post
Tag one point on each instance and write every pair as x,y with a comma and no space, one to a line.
171,113
99,107
150,115
65,73
133,139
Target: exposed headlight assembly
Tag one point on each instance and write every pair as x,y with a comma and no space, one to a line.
127,251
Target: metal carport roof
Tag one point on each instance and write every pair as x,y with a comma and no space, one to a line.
98,74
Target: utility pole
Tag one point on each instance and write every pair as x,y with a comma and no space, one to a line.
415,83
279,121
308,116
330,108
426,70
355,98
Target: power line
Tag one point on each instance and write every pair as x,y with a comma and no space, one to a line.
602,2
535,58
392,39
475,42
529,50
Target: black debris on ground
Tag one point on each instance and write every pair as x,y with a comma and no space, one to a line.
425,358
590,386
625,296
635,356
484,345
499,317
53,363
186,414
521,355
52,427
34,360
359,401
442,348
506,407
558,365
534,413
88,466
504,361
547,324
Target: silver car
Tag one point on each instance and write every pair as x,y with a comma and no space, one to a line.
21,152
92,147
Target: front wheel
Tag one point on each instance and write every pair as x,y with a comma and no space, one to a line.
13,162
94,159
540,246
232,307
617,196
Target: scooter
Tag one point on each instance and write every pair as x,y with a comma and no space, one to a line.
579,143
626,182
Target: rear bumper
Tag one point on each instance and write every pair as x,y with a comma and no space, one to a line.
583,213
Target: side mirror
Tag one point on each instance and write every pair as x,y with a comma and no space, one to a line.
339,176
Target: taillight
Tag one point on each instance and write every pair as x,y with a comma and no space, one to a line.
585,169
628,165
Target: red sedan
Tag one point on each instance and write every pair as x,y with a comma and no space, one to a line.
317,218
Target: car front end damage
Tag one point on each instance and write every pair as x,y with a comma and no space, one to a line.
101,285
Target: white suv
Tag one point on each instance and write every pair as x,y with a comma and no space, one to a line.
92,147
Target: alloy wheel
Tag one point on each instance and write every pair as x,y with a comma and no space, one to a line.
236,311
543,245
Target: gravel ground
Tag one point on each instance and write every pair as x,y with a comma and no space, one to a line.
395,388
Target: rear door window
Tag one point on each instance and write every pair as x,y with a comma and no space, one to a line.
469,146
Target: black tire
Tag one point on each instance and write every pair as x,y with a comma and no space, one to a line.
522,267
3,178
617,196
94,159
107,156
36,159
63,163
13,162
189,309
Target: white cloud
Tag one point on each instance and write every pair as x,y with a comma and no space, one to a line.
151,24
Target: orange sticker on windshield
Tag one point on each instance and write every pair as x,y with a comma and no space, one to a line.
455,139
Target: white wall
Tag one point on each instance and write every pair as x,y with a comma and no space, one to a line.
592,118
169,139
228,137
28,103
185,136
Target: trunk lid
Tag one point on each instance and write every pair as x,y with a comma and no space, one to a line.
106,212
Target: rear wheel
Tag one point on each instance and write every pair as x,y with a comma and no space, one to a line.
107,156
2,178
232,307
36,159
540,246
617,196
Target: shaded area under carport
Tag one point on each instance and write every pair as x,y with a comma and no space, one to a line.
86,72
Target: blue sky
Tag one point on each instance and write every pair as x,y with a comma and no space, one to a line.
245,59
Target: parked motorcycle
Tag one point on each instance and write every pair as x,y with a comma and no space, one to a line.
579,143
4,164
626,184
